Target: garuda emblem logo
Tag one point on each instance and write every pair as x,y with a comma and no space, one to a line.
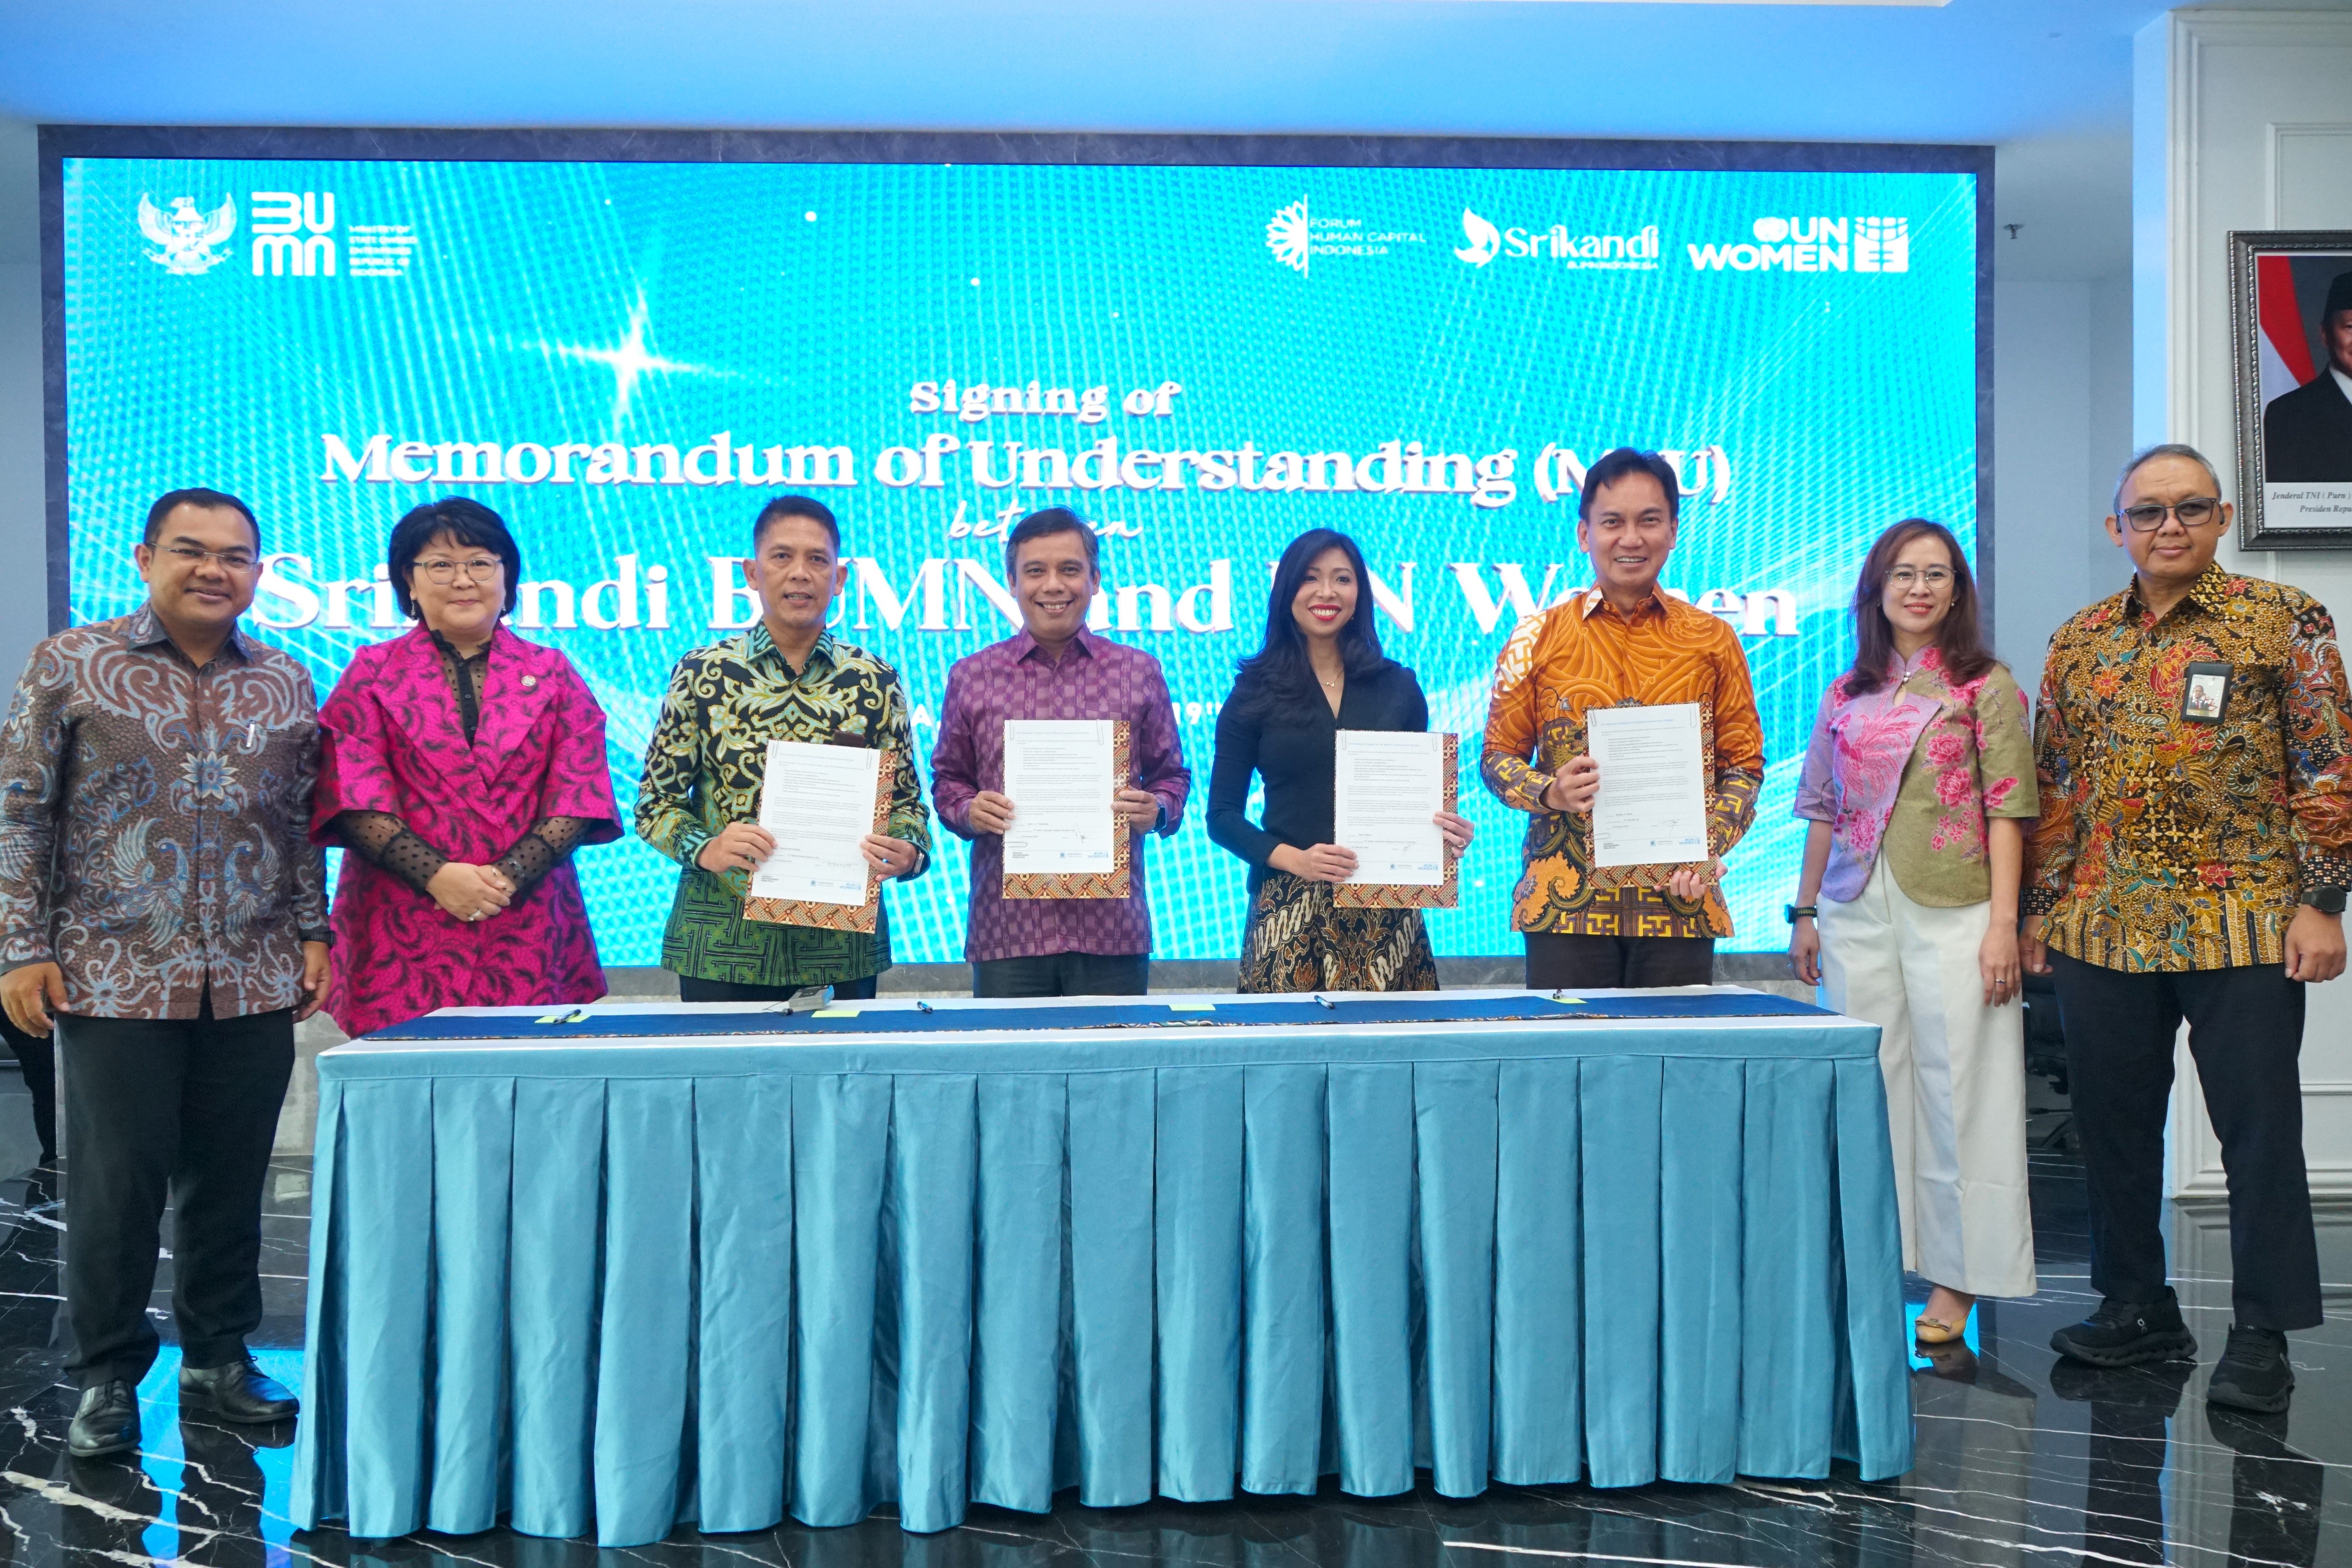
185,238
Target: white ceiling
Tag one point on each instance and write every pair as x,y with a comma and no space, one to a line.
1973,71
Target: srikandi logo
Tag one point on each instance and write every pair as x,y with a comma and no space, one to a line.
1297,235
1626,252
1813,245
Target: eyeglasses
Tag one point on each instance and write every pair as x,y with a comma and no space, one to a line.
480,569
2193,512
1933,576
230,560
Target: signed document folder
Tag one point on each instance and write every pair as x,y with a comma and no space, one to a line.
821,802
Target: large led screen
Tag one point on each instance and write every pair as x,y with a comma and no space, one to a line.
625,358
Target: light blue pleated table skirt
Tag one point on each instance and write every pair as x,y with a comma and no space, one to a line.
611,1287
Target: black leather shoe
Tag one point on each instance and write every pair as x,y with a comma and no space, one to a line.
106,1421
237,1392
2255,1373
2130,1334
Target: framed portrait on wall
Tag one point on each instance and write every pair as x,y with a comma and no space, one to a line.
2291,328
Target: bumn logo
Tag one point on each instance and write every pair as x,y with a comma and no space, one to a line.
1484,239
185,237
294,232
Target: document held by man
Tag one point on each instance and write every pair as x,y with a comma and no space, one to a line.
1387,789
1060,775
1651,808
818,800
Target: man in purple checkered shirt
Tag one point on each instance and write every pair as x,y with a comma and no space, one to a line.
1055,667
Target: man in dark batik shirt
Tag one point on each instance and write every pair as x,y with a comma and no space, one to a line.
787,679
162,908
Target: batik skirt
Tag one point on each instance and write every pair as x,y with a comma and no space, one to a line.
1299,939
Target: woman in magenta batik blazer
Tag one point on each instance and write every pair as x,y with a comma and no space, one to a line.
462,767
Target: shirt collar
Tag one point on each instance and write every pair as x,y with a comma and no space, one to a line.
2343,383
1594,598
146,630
759,645
1023,645
2209,592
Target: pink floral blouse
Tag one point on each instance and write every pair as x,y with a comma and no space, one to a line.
1912,770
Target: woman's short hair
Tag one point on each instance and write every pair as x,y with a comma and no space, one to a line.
470,524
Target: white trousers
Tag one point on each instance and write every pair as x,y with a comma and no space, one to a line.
1955,1073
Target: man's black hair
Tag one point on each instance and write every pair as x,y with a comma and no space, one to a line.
472,525
1044,525
781,507
196,495
1614,466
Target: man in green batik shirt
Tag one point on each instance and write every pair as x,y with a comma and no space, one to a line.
785,679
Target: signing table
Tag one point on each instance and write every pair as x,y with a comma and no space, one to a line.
612,1269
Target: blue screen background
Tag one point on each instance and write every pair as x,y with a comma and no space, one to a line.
801,304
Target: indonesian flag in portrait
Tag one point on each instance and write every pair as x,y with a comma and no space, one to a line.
2282,344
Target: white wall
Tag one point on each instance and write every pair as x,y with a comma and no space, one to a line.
2241,119
2061,402
2062,379
24,580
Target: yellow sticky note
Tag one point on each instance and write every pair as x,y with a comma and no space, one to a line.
1192,1006
835,1013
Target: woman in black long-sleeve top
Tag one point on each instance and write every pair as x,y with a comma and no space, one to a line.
1319,671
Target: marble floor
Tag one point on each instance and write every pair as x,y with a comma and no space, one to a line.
2021,1460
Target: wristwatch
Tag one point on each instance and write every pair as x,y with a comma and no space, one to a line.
2327,900
1793,910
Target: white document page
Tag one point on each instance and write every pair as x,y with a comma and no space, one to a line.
1059,775
1387,789
1651,808
819,803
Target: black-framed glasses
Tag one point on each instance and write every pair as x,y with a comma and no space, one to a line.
2194,512
479,569
230,560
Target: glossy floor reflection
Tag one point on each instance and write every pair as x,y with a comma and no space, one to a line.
2019,1461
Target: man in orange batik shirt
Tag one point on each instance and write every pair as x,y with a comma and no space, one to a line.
1620,643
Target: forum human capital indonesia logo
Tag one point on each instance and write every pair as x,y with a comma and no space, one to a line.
1297,235
1813,245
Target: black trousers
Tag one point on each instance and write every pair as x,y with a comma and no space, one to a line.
1064,974
2246,1031
179,1108
1558,962
689,989
37,1058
